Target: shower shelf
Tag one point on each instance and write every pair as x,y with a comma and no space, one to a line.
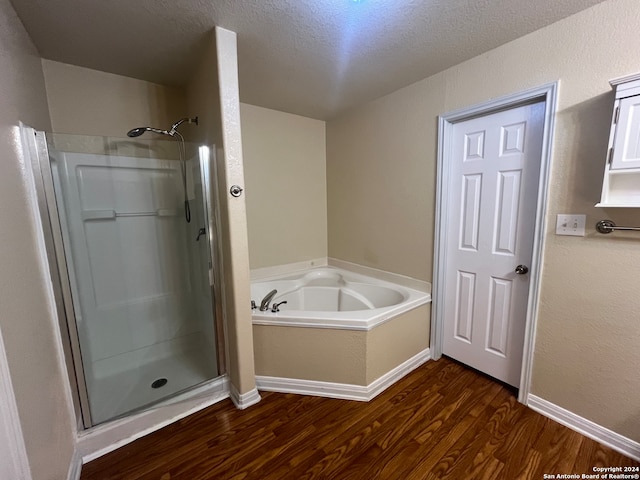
88,215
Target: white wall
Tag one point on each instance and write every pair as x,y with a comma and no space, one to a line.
285,174
586,352
27,320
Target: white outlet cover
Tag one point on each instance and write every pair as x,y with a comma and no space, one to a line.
570,224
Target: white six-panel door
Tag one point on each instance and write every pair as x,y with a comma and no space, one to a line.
494,170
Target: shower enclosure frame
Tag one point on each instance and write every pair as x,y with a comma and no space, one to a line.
36,148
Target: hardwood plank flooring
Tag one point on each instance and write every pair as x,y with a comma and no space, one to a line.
442,421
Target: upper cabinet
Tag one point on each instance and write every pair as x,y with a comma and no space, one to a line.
621,184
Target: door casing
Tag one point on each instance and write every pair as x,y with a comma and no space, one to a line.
548,94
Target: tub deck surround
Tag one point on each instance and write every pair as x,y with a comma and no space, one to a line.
342,333
331,297
266,273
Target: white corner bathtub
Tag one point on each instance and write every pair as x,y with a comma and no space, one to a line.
329,297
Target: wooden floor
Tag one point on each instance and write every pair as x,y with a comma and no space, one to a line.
442,421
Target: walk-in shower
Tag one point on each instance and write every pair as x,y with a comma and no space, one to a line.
137,280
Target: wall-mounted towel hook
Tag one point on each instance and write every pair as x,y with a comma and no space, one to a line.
235,190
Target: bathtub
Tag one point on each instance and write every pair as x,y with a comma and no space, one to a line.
329,297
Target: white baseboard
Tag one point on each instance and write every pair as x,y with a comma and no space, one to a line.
342,390
316,388
244,400
75,468
600,434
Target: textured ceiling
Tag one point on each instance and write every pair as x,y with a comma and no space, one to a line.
311,57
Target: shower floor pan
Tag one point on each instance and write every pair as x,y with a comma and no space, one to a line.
132,390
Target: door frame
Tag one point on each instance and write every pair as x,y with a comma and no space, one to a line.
12,444
548,94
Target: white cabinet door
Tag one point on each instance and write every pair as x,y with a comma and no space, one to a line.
626,144
493,189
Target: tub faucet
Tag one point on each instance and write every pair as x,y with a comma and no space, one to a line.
264,304
276,306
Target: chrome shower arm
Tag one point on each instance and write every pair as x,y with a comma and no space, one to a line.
175,126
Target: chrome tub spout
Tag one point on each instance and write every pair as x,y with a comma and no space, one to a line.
264,304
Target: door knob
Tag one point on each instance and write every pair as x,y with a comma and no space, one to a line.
522,269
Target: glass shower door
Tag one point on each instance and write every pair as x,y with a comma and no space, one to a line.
138,274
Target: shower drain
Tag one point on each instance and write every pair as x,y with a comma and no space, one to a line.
161,382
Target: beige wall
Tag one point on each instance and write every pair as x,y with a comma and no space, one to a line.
285,174
26,318
237,254
213,95
586,352
380,181
88,102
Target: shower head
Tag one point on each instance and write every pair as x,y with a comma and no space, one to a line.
136,132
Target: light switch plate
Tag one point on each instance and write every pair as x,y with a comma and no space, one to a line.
571,224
